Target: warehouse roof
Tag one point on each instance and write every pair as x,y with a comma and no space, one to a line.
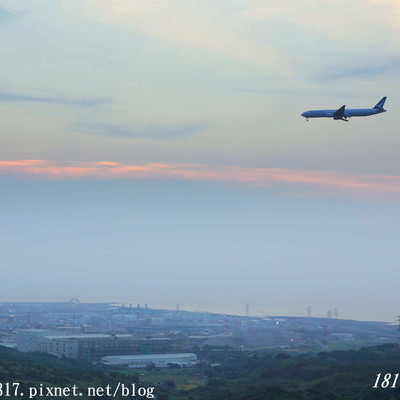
148,356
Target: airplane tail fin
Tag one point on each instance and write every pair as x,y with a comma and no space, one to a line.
381,103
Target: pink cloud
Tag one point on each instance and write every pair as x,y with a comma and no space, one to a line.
313,182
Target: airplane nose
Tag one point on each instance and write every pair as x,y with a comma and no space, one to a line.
302,114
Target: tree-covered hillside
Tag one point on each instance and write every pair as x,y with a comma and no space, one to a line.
326,375
35,369
227,374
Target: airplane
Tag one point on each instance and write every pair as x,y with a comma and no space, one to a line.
343,114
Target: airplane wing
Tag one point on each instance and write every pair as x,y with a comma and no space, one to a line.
340,113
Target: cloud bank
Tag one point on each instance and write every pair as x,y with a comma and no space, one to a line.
304,182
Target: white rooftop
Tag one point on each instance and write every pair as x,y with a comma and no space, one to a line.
148,356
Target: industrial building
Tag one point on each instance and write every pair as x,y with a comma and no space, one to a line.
84,346
90,347
145,360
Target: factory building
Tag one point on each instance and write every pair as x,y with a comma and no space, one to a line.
90,347
84,346
157,360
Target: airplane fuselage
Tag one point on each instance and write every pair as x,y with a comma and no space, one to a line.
351,112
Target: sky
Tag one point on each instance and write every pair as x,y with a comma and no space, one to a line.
153,152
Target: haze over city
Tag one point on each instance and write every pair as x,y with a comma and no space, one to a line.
153,152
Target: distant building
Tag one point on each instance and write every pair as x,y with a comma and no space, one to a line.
158,360
88,346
